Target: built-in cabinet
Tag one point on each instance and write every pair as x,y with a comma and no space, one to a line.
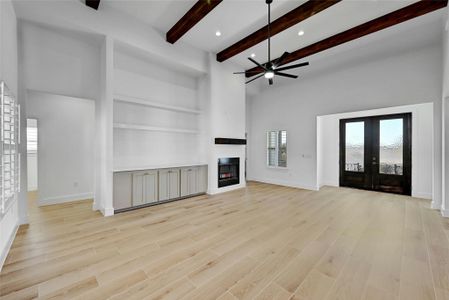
169,184
147,187
193,180
144,187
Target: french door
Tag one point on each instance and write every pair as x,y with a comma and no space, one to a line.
375,153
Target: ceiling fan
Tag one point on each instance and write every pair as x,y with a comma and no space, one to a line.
271,67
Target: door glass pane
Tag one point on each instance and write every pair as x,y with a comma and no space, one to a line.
391,146
355,142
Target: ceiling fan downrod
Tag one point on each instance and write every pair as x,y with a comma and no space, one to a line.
270,69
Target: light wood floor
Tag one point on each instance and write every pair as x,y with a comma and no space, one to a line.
262,242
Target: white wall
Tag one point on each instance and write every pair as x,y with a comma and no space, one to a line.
60,62
422,145
143,79
75,15
66,151
8,73
409,77
223,99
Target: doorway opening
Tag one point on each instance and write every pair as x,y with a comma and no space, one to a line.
32,161
375,153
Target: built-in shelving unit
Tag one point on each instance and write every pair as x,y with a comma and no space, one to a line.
153,128
139,101
157,114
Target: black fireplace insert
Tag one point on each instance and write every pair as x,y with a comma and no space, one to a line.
228,171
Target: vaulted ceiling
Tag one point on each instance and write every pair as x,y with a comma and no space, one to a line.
236,19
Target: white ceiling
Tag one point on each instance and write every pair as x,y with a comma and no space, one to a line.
408,36
239,18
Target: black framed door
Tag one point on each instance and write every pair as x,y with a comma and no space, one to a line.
375,153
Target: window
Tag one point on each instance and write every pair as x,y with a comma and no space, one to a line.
277,148
31,136
355,146
9,140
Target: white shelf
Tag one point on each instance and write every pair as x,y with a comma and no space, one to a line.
153,128
139,101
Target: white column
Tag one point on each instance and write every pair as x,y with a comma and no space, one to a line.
445,123
445,192
104,132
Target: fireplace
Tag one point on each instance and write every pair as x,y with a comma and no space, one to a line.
228,171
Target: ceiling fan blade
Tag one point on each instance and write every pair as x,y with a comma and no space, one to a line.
293,66
286,75
254,78
247,72
270,81
259,65
280,59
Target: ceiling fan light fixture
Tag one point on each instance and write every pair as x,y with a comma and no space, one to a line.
269,74
269,69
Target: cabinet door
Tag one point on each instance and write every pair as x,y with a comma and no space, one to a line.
184,182
202,179
174,183
138,189
189,181
193,181
164,184
150,186
122,195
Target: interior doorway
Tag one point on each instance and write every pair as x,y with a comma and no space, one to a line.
32,154
375,153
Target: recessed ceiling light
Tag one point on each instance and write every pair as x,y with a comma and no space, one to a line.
218,33
301,32
253,55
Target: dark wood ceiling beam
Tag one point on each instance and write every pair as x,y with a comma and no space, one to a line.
404,14
288,20
93,3
198,11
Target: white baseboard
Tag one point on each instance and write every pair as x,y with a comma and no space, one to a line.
329,183
64,199
434,205
5,252
107,212
286,183
445,213
422,195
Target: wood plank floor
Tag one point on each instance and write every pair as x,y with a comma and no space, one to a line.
262,242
